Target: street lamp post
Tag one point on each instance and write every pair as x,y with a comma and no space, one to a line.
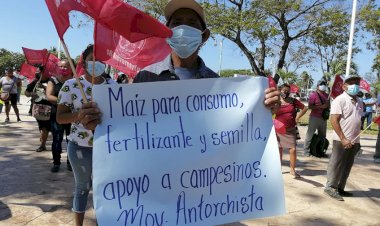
220,56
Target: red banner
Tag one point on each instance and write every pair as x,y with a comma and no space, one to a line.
294,88
51,67
337,87
125,56
80,69
35,56
28,71
59,11
131,23
272,83
364,85
377,120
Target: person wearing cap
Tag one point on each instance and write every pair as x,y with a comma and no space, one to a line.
346,112
187,20
318,101
10,83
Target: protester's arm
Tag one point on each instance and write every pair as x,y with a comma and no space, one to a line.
50,93
335,118
371,102
302,112
272,99
65,116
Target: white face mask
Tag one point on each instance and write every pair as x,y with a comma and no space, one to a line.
99,68
322,88
185,40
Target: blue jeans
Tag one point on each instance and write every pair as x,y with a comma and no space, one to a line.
57,131
367,116
1,108
81,162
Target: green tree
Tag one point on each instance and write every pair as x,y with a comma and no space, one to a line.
339,67
231,72
10,59
288,77
53,50
370,19
258,24
305,81
330,40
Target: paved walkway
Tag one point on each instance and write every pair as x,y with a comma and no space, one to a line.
31,195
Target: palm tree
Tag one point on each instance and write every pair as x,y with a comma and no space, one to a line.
305,82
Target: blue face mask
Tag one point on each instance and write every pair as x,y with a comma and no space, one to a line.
99,68
352,90
185,40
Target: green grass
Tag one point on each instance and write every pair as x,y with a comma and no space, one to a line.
304,121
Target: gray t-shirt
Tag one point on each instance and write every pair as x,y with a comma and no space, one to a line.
8,84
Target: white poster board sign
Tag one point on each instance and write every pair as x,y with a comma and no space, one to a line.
195,152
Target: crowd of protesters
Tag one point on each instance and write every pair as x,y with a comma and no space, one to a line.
76,118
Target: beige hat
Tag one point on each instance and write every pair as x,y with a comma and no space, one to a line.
174,5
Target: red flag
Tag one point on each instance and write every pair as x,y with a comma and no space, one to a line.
59,11
80,69
131,23
272,83
28,71
35,56
377,120
337,87
130,58
51,67
279,126
364,85
294,88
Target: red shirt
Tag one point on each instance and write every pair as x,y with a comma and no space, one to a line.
314,100
287,113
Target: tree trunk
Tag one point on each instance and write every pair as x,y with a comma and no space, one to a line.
251,59
327,67
284,49
262,55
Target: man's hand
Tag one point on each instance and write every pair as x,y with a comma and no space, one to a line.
272,99
89,115
346,143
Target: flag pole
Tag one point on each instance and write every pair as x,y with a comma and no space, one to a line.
363,131
74,70
59,48
93,72
350,42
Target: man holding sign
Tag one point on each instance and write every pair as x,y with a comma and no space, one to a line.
144,140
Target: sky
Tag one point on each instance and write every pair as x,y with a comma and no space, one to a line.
27,23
